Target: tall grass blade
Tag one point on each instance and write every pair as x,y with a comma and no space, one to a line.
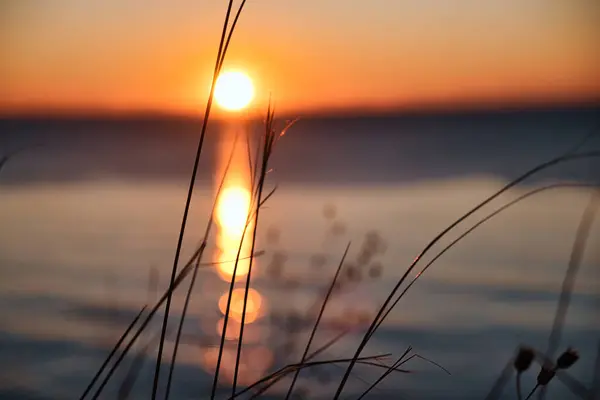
292,367
577,251
218,63
595,388
311,356
180,277
249,218
195,271
386,373
474,227
501,381
112,353
531,172
269,139
320,315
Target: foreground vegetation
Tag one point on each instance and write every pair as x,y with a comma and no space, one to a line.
554,362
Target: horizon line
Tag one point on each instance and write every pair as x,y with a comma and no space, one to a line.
332,112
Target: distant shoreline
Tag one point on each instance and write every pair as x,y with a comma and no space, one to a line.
358,113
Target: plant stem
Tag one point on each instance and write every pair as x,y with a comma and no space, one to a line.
195,272
511,184
479,223
112,353
532,392
218,63
518,384
320,315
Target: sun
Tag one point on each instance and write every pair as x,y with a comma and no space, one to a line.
233,90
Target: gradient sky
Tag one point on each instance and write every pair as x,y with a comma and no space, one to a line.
310,54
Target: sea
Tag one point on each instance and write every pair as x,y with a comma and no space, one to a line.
91,209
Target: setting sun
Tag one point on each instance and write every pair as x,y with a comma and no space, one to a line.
234,90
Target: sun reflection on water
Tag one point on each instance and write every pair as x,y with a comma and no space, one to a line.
234,240
253,305
233,208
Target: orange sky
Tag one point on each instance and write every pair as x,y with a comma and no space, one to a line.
311,54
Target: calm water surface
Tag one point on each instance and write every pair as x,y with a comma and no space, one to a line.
90,219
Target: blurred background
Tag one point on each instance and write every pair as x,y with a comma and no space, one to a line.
409,114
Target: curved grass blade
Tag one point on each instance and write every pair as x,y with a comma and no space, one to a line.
386,373
260,201
531,172
219,61
475,226
292,367
195,272
577,251
320,315
112,353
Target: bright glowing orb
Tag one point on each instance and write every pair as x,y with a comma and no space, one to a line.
233,90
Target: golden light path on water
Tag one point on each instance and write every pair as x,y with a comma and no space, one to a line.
231,216
233,204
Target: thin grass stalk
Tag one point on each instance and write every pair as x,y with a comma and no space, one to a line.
292,367
314,354
310,357
328,344
112,353
431,362
282,373
232,283
8,156
134,370
254,169
479,223
226,314
518,386
394,369
180,277
285,374
320,315
218,63
358,378
250,163
230,34
227,310
136,366
535,388
268,196
577,146
269,138
195,271
577,251
385,374
132,374
575,386
180,327
533,171
256,254
594,392
182,274
117,363
501,381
